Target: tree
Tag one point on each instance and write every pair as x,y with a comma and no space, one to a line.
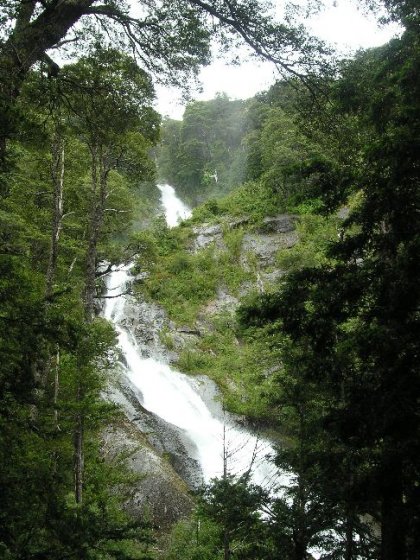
42,512
171,39
109,98
234,504
352,323
202,155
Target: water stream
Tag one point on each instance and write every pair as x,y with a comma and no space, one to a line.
215,437
175,210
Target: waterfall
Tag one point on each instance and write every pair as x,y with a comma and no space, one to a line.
175,210
184,402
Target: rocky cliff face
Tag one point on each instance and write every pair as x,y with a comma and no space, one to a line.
158,451
260,245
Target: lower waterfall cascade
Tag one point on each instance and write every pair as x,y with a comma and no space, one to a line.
216,439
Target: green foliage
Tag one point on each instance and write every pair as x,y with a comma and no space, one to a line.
329,359
239,365
252,200
227,524
182,283
195,539
316,234
122,91
346,325
54,364
233,239
234,504
286,167
202,155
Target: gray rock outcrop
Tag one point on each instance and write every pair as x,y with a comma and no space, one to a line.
159,452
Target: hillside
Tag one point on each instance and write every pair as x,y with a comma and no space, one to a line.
295,293
244,385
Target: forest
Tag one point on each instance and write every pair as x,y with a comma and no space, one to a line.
320,351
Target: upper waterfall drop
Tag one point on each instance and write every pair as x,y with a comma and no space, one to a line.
175,210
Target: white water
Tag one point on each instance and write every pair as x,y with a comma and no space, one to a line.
175,210
175,397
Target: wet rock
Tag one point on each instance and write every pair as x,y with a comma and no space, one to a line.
182,337
238,222
164,438
266,246
206,235
224,302
272,276
278,224
208,230
146,321
158,492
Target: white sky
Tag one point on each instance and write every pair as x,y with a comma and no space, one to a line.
342,25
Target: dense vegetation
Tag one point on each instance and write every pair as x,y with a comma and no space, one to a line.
203,154
221,144
69,192
326,356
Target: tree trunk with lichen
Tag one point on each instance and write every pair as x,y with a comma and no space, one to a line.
57,175
79,460
99,179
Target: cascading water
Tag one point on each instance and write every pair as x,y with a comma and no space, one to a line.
215,438
175,210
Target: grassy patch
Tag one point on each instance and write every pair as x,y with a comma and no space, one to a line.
316,233
253,199
183,283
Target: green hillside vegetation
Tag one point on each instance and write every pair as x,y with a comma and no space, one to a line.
326,355
203,155
316,344
185,280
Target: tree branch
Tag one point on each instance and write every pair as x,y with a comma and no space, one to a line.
117,15
26,11
257,46
127,293
55,295
108,270
52,67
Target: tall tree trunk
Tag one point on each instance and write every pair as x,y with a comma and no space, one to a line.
393,523
99,177
57,175
90,278
349,509
349,545
299,531
99,193
300,537
56,387
226,545
79,450
42,368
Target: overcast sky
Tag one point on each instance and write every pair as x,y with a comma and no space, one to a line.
342,25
